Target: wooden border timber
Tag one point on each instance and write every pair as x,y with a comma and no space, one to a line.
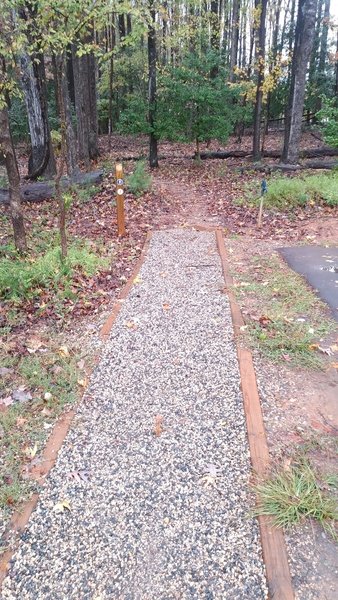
21,516
104,333
272,539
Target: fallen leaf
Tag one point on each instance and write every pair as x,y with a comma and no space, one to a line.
20,395
20,421
334,348
286,357
131,325
61,506
33,345
46,412
6,401
264,320
5,371
83,382
313,346
137,279
158,428
63,351
31,452
326,351
165,306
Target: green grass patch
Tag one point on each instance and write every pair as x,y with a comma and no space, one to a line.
23,278
288,193
289,317
291,495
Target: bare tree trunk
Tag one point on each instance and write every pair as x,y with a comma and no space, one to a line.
7,153
41,159
234,38
305,31
153,155
260,60
84,69
61,76
323,53
336,72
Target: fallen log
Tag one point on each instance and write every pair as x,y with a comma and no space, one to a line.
308,153
43,190
266,168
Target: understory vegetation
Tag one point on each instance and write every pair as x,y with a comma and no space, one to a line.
299,491
22,278
288,193
47,379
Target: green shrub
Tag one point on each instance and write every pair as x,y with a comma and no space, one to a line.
22,278
288,193
139,181
328,119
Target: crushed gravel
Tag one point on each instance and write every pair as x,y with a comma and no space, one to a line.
153,517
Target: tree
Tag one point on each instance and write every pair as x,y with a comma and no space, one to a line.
8,155
8,88
153,155
195,105
33,78
305,31
84,69
260,6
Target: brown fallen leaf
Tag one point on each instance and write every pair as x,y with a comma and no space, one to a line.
264,320
165,306
158,428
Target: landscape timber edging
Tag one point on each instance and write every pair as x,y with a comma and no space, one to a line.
272,538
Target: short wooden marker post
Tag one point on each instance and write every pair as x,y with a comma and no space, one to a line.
121,228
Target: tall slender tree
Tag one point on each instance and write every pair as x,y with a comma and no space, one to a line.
260,6
152,68
304,38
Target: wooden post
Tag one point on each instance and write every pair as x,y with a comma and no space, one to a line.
121,229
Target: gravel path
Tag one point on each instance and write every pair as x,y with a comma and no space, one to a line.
145,522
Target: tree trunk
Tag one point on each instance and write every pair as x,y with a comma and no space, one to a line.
71,147
305,30
336,72
8,155
260,59
323,54
41,159
61,79
153,155
84,69
234,38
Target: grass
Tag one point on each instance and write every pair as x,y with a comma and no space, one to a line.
288,193
290,317
291,495
23,425
24,278
85,194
